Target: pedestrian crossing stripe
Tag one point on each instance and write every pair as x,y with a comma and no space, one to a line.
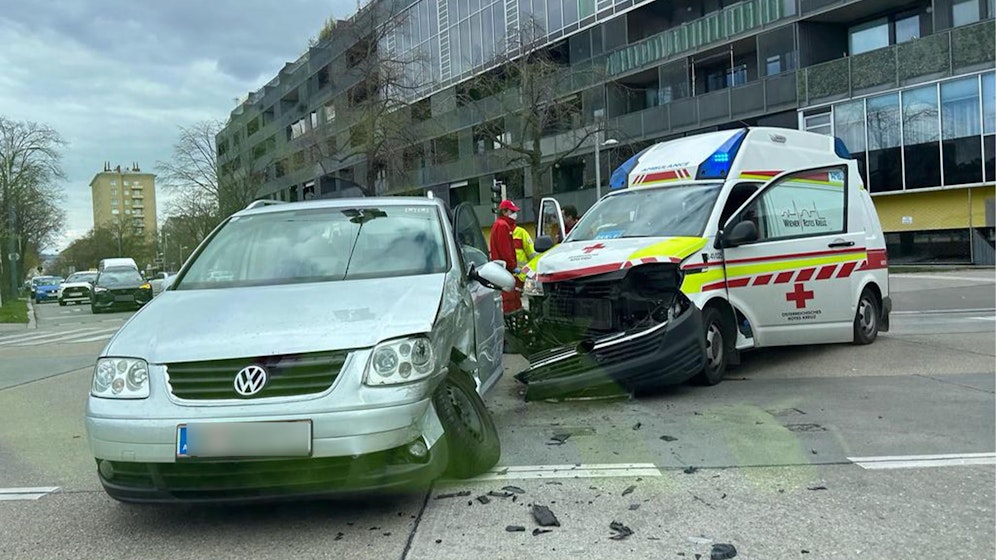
75,336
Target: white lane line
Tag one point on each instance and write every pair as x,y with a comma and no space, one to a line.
12,494
924,461
983,279
611,470
38,336
97,334
945,311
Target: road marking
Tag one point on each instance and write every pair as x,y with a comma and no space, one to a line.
924,461
12,494
90,336
610,470
36,335
944,311
983,279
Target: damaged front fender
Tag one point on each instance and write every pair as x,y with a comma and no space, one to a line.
665,354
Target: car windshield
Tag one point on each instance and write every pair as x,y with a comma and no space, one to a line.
320,245
680,211
118,276
82,277
47,280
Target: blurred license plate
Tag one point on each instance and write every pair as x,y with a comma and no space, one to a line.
124,298
244,439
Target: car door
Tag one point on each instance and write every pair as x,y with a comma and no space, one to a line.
489,323
791,282
551,220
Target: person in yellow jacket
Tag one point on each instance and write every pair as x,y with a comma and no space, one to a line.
524,251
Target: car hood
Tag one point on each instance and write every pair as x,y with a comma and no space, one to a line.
579,259
47,287
124,286
76,285
195,325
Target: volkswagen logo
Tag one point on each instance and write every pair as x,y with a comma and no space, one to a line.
250,380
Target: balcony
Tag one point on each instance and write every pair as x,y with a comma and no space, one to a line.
948,53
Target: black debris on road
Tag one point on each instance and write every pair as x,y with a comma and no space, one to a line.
634,507
494,494
722,551
621,531
669,438
513,489
559,439
462,494
483,499
544,517
817,488
637,426
541,531
628,490
690,470
515,529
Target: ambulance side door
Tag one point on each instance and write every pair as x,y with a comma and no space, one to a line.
788,257
551,221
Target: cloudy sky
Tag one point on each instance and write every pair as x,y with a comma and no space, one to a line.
117,77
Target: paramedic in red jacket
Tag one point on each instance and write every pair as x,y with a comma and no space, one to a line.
503,249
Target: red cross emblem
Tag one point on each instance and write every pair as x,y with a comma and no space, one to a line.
588,250
799,295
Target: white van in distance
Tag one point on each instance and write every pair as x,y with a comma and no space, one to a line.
707,246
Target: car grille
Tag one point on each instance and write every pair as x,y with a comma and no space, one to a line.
617,353
290,375
584,304
198,479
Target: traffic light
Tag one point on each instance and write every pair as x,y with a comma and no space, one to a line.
497,195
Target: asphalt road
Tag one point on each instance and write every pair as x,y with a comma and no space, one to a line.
810,452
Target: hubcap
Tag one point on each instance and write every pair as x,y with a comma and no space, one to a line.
465,410
714,346
866,317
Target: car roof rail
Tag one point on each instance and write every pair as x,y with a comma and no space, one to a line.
262,202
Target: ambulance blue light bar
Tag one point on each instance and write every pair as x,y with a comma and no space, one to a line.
840,148
620,177
717,166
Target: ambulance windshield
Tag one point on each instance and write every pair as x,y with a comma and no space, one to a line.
680,211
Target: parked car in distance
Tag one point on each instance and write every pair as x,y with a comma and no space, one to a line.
160,281
119,287
117,262
77,288
312,348
45,288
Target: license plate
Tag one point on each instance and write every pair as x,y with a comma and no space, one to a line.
244,439
124,298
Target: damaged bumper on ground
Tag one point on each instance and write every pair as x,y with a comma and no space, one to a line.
665,354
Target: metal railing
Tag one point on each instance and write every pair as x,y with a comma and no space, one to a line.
947,53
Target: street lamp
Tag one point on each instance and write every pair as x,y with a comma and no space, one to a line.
598,163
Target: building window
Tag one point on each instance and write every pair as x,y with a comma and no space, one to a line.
114,202
989,125
920,137
115,211
114,182
870,36
884,154
907,28
329,112
127,201
961,127
819,124
964,12
849,126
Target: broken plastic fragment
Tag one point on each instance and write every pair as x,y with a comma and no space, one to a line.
690,470
483,499
515,529
634,507
461,494
544,517
621,530
494,494
722,551
628,490
559,439
513,489
541,531
817,488
669,438
637,425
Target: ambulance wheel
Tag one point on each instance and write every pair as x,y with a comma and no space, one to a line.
468,427
716,350
866,318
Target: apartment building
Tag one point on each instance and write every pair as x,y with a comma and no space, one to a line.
124,198
910,86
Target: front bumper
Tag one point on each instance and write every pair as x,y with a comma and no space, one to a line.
107,301
39,295
70,296
886,312
360,437
667,354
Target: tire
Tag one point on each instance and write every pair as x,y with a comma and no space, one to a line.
62,303
469,430
866,318
93,309
717,351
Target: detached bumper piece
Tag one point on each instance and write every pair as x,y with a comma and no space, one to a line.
665,354
243,481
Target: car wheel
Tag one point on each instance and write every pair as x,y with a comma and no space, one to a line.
866,318
716,351
62,303
93,309
468,427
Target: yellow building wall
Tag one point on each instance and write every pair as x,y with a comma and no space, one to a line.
941,209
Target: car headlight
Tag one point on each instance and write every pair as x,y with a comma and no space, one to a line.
531,287
120,378
146,286
400,361
99,290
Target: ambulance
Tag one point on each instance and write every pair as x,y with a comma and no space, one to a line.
705,247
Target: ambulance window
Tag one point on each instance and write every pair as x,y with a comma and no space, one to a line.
738,196
803,204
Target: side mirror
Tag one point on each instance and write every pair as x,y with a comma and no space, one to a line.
494,276
543,244
741,234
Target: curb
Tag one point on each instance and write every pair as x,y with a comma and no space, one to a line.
32,321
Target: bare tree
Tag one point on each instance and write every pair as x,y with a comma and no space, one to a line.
30,155
521,101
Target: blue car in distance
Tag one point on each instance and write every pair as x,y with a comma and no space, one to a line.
45,288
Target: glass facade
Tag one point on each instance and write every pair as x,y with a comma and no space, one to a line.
942,134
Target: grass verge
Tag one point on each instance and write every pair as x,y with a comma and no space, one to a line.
14,311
